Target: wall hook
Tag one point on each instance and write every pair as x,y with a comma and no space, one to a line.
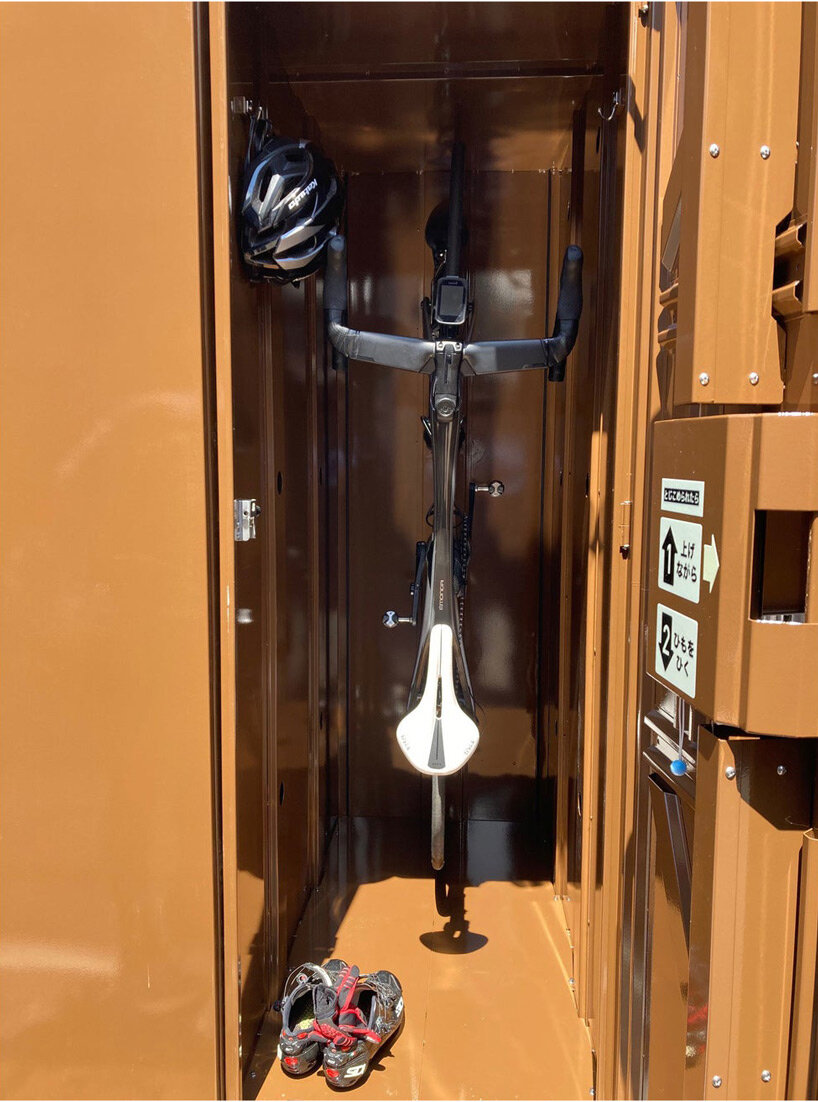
616,106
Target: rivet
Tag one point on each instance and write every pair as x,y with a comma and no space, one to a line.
753,378
781,770
571,981
714,150
716,1080
730,772
765,152
815,378
704,378
766,1076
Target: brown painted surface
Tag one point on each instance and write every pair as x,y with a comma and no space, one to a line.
611,1028
746,855
108,940
461,977
388,41
752,671
732,202
222,354
509,229
389,487
277,368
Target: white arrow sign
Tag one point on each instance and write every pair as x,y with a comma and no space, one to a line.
710,564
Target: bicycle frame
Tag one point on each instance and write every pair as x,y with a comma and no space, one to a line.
439,733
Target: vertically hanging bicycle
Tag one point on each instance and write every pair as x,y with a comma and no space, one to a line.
439,732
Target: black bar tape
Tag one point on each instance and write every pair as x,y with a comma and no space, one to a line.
335,279
569,305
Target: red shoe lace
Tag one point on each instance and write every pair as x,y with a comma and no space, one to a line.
345,1036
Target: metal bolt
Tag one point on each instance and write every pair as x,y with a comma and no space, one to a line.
753,378
815,378
716,1080
781,770
765,152
714,150
730,772
766,1076
704,378
571,981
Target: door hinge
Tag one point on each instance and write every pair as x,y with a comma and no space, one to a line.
245,511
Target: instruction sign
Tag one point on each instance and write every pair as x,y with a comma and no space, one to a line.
677,649
683,495
680,557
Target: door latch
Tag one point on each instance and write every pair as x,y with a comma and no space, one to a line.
245,511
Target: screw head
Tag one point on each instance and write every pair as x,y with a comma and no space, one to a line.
716,1080
730,772
781,770
704,378
753,378
714,150
765,152
766,1076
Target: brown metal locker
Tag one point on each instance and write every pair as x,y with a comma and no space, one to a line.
206,521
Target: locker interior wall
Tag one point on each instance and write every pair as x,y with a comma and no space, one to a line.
526,127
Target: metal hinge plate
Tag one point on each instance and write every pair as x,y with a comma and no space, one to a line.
245,511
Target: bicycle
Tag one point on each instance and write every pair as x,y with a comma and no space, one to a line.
439,732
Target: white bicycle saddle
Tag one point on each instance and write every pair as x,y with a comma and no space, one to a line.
437,736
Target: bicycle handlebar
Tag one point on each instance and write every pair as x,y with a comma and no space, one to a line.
407,353
494,357
480,358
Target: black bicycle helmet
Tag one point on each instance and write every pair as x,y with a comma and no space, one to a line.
291,204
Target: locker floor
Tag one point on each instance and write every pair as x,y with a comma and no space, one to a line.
489,1011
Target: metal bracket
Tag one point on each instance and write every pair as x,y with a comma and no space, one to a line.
245,511
493,489
617,103
391,618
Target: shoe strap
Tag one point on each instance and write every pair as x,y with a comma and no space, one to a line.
347,983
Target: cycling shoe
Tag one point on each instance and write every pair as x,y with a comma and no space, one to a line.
370,1012
305,993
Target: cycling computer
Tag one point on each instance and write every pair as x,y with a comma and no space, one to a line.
451,299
